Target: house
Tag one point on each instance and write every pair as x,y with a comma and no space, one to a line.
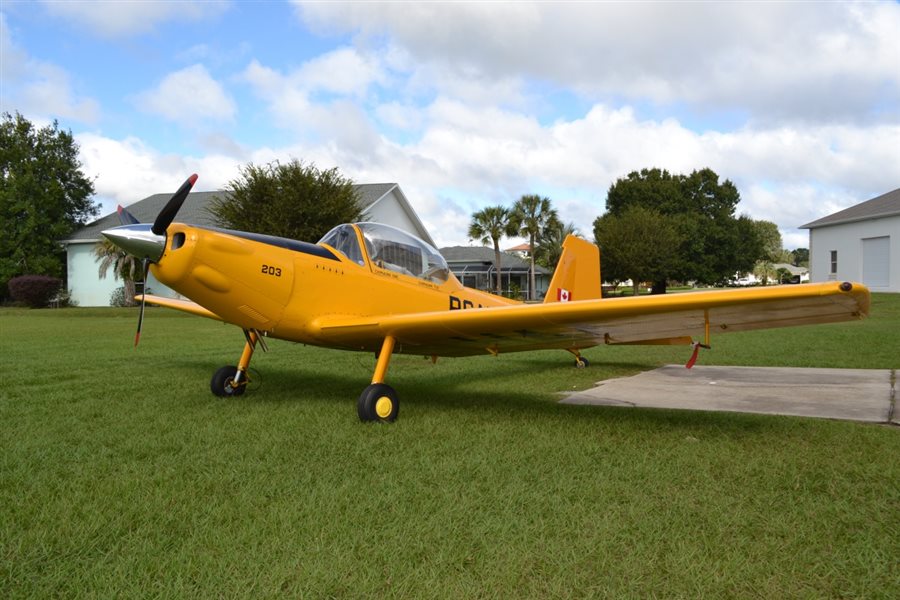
474,267
860,243
381,202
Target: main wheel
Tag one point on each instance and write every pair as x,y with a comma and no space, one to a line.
581,362
222,383
378,402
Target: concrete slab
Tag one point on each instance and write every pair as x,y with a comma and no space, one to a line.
850,394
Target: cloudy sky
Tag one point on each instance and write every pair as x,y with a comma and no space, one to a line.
468,104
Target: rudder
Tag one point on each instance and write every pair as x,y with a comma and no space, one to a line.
577,275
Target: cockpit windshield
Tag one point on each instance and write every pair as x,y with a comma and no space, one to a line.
343,239
394,249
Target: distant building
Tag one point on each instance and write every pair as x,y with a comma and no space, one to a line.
860,243
522,250
474,267
381,202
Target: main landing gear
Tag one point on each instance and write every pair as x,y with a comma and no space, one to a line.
379,401
232,381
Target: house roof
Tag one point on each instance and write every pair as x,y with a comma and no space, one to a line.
886,205
790,268
523,247
194,210
459,255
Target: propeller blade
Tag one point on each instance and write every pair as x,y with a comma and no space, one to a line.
137,336
167,214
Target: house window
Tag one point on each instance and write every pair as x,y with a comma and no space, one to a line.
834,262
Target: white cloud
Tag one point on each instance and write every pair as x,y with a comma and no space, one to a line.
188,96
128,170
468,157
474,157
119,19
39,89
813,62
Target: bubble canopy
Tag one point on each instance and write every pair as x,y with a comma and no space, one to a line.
389,248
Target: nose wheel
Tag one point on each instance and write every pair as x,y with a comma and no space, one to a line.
226,383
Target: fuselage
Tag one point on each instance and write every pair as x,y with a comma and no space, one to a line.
282,287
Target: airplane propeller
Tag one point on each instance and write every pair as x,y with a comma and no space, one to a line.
167,214
146,269
145,244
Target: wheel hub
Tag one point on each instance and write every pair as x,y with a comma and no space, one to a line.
383,407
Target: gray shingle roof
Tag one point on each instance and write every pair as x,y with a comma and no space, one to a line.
194,210
886,205
483,254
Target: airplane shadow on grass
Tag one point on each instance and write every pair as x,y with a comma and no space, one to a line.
472,387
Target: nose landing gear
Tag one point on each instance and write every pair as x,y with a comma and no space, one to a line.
232,381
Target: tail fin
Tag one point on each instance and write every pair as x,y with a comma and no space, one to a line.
577,276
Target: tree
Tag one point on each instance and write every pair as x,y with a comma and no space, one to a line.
800,257
639,244
549,248
715,244
293,200
44,197
124,266
772,251
489,225
531,215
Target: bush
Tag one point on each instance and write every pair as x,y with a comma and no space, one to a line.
35,291
118,299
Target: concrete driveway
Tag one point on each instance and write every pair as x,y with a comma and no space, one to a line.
849,394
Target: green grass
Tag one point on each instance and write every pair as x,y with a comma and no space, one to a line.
122,476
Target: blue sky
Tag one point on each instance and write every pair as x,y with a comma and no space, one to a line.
471,104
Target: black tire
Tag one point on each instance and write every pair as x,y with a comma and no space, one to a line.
222,383
581,362
378,402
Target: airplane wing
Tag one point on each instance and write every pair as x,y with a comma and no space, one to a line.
182,305
663,319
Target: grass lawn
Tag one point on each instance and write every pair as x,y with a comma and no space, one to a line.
122,476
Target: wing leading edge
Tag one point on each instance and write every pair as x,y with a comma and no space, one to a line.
665,319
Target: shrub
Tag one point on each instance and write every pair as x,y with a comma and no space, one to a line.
118,298
35,291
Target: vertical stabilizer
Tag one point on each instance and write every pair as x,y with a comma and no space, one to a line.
577,276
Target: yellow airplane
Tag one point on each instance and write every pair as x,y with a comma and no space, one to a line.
374,288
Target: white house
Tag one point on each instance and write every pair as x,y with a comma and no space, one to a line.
860,243
381,202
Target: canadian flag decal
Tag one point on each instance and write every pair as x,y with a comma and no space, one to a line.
563,295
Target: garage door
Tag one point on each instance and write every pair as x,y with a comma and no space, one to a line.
877,261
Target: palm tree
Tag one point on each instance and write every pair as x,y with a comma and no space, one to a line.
124,266
549,247
531,215
489,225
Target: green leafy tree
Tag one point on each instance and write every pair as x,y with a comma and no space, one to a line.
639,244
772,251
124,266
488,226
531,216
292,200
549,248
44,196
715,243
800,257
